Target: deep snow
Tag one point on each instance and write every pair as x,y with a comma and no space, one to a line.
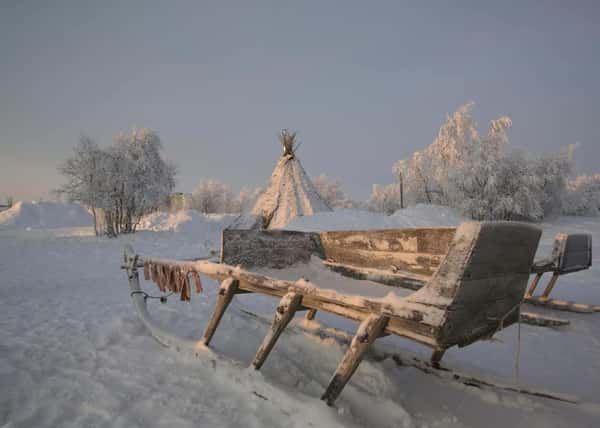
44,215
73,353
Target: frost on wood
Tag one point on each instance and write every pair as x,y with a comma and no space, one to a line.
290,193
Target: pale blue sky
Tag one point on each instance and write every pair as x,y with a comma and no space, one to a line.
364,83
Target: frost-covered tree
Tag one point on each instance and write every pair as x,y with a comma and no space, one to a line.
426,173
482,176
86,174
332,193
245,199
384,199
141,181
553,171
122,182
493,182
582,196
211,196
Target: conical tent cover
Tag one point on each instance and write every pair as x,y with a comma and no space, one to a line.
291,192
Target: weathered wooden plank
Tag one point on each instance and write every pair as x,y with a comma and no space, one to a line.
398,278
286,309
422,240
226,292
414,250
369,330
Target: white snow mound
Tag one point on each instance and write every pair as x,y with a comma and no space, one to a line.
45,215
421,215
186,222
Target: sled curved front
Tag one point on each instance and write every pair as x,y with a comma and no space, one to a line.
138,298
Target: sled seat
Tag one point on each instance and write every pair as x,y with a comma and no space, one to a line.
570,253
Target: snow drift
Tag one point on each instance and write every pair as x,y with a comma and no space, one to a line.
350,219
45,215
188,222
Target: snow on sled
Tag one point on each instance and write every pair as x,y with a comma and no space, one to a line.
475,289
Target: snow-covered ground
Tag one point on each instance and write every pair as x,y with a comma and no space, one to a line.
73,353
44,215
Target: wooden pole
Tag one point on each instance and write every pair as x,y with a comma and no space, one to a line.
369,330
226,292
401,178
534,284
550,285
436,357
286,309
310,315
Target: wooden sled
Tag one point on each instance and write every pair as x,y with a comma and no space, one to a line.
476,290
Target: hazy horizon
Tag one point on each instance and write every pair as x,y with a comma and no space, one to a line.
364,84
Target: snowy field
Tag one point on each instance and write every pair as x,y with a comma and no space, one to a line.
73,353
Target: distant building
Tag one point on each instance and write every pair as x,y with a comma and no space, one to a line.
178,201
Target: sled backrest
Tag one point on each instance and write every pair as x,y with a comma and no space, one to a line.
572,252
417,251
482,279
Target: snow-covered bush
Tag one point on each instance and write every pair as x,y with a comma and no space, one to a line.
246,199
120,183
582,196
332,193
553,171
384,198
212,196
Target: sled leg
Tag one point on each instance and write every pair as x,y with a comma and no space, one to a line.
369,330
226,292
436,357
286,309
310,315
534,284
550,285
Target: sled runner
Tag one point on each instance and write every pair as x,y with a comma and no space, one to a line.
474,290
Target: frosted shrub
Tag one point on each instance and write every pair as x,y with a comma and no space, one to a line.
120,183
